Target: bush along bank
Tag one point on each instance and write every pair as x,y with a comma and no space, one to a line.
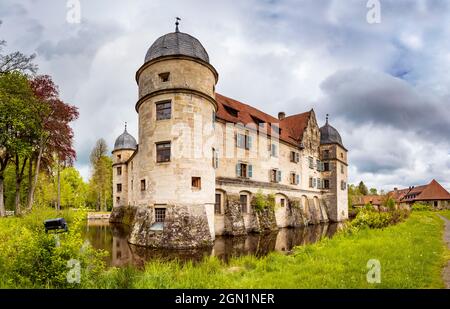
368,217
32,258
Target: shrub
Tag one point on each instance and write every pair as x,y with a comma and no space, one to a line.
32,258
420,207
367,218
371,219
398,215
261,202
369,207
389,203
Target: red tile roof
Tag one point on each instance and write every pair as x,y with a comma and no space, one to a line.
432,191
292,127
368,199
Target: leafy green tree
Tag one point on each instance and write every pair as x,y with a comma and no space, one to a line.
388,202
73,188
100,184
18,126
362,188
353,194
373,191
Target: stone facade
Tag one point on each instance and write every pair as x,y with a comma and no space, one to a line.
200,190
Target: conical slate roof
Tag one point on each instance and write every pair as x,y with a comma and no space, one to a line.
177,43
125,141
329,135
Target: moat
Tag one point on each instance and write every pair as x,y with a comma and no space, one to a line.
113,239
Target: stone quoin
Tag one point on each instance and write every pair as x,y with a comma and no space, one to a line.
206,165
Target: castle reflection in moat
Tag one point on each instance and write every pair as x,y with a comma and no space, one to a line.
113,239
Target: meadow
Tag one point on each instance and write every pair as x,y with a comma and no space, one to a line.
411,255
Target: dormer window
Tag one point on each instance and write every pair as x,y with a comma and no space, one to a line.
164,77
233,112
257,120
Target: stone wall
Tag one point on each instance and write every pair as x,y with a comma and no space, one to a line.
123,214
185,227
234,220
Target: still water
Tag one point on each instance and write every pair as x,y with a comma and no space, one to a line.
113,239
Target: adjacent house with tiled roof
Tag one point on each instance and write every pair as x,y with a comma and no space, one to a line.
432,194
201,159
374,200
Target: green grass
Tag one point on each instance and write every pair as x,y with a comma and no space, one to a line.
445,213
411,254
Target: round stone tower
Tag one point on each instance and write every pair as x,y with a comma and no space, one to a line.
124,147
334,155
176,110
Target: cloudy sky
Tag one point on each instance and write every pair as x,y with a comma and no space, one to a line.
386,85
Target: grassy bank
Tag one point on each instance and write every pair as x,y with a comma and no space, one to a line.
411,254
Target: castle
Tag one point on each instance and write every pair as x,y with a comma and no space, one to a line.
208,165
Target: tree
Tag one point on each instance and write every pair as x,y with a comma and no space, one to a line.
362,188
18,125
101,180
73,188
353,194
373,191
388,202
15,61
55,144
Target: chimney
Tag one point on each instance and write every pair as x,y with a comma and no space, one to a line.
281,115
395,189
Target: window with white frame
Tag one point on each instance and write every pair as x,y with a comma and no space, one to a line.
244,141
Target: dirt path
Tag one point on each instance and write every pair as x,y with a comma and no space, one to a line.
446,272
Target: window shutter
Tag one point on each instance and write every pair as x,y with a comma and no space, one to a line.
216,158
250,171
314,182
240,140
297,179
278,176
238,169
274,150
297,157
249,142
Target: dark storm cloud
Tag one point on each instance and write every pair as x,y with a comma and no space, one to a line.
362,96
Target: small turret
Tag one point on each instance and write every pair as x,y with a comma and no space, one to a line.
124,147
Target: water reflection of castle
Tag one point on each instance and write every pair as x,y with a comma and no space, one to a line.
113,238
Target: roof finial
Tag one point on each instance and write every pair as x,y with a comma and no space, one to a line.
177,19
125,126
327,119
